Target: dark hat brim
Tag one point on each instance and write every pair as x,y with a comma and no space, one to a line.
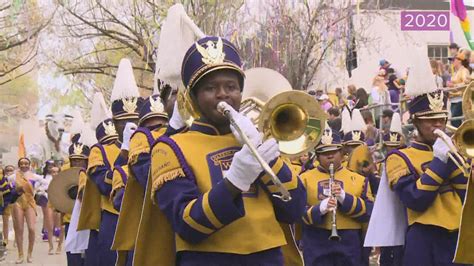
327,148
207,69
152,115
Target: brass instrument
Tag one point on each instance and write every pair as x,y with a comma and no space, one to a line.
62,190
294,118
225,109
334,236
359,158
463,137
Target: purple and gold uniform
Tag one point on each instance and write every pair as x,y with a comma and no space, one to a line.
210,226
129,181
431,190
187,172
351,214
95,201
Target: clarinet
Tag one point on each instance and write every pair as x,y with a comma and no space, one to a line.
334,236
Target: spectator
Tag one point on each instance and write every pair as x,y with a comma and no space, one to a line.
325,102
379,95
351,90
333,113
341,97
461,77
371,132
386,120
362,98
335,124
453,50
384,64
394,90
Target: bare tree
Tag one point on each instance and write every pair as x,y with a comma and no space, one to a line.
20,25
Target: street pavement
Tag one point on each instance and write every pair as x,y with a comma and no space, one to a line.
40,251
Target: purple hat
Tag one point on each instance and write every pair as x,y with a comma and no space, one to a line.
152,107
329,142
429,106
105,132
207,55
78,151
354,137
126,108
392,139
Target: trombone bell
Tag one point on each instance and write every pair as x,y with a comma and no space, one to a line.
295,120
464,138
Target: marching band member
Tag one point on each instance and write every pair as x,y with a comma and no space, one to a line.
425,179
78,156
105,134
352,202
8,195
98,212
207,186
129,181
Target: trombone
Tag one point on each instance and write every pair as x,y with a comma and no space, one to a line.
463,137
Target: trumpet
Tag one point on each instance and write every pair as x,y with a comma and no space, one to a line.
334,235
224,108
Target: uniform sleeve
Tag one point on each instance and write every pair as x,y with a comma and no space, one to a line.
374,181
290,211
119,180
416,192
313,215
139,158
99,171
359,208
192,214
459,182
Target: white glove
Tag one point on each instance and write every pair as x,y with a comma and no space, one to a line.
127,134
323,206
441,149
176,121
341,196
245,168
247,127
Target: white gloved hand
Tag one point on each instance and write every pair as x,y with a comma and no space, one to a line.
244,168
441,150
323,206
341,196
127,134
269,150
176,121
247,127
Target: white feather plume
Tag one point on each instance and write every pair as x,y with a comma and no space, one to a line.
125,85
345,121
77,122
420,77
178,33
357,122
88,136
396,124
99,111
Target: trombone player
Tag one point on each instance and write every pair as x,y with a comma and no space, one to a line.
207,183
424,177
349,197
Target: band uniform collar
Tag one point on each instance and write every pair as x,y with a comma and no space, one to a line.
421,146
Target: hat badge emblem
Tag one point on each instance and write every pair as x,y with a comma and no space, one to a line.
156,106
78,148
213,53
356,135
130,105
109,128
436,101
394,137
326,138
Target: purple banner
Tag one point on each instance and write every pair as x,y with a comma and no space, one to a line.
424,20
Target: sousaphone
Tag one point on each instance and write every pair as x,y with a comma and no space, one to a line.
62,190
